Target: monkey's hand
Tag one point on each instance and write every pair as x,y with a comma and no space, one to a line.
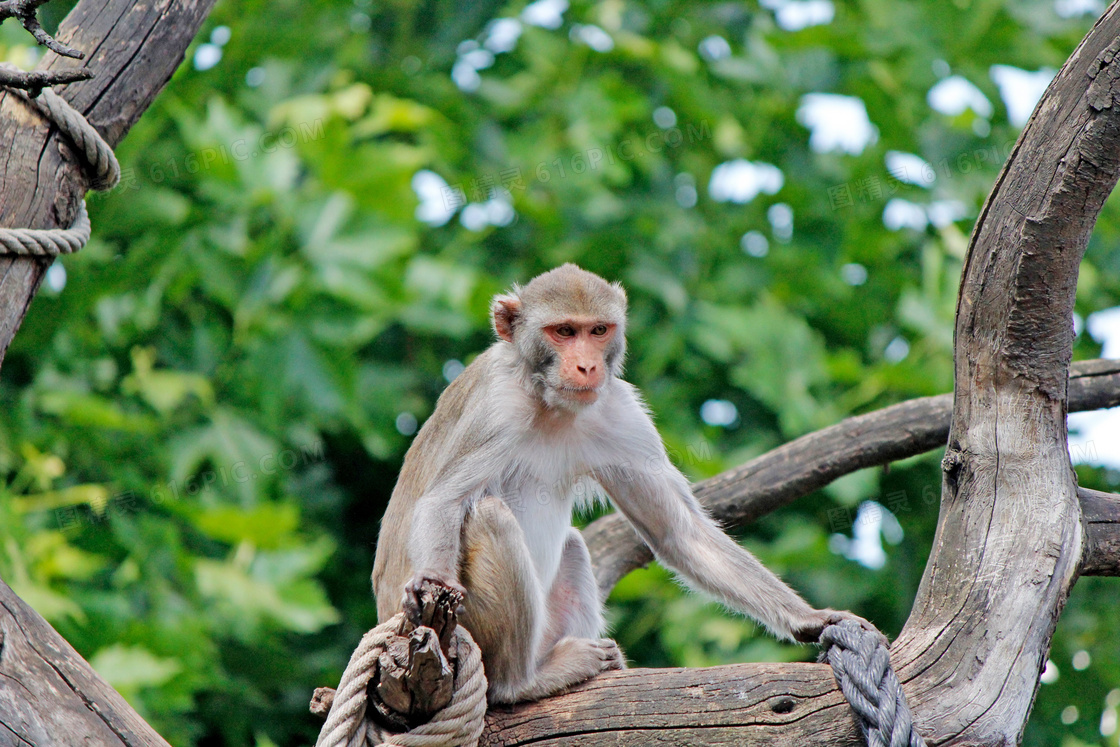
811,631
411,604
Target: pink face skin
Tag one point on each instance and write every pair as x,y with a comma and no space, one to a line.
581,344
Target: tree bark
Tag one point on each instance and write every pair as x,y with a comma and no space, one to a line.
785,705
1100,515
1010,540
49,695
777,478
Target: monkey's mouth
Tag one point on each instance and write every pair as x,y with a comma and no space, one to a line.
582,394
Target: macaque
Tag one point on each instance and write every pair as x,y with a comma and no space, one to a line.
484,500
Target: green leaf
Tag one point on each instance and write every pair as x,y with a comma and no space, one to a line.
128,668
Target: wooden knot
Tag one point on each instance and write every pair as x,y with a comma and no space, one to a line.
416,672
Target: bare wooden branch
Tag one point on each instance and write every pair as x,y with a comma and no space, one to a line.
1009,542
1100,515
744,494
785,705
25,10
34,81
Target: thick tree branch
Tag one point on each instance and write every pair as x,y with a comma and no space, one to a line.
50,695
1010,539
785,705
779,477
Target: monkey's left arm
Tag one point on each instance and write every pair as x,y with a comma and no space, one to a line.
682,536
659,502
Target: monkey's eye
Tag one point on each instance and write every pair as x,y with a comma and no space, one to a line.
565,330
599,330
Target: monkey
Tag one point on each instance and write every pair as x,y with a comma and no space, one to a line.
484,501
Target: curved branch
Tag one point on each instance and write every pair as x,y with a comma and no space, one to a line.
1010,538
779,477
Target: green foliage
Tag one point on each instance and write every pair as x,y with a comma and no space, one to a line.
203,427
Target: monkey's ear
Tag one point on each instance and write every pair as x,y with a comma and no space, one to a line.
505,311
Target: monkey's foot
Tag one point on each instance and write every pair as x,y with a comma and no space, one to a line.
610,655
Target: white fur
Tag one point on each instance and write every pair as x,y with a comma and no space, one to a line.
542,474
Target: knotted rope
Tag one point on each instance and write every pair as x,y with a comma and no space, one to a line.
459,724
862,667
98,163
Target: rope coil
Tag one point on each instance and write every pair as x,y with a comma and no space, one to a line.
862,667
459,724
98,163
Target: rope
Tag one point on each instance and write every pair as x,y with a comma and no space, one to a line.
98,163
862,667
459,724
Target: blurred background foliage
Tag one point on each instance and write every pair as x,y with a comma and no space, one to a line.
206,409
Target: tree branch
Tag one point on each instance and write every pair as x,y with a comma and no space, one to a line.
785,705
779,477
34,81
50,695
1100,516
24,10
1010,539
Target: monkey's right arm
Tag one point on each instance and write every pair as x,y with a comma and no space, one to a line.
434,538
464,453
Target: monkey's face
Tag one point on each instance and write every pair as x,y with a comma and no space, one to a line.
580,363
568,327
